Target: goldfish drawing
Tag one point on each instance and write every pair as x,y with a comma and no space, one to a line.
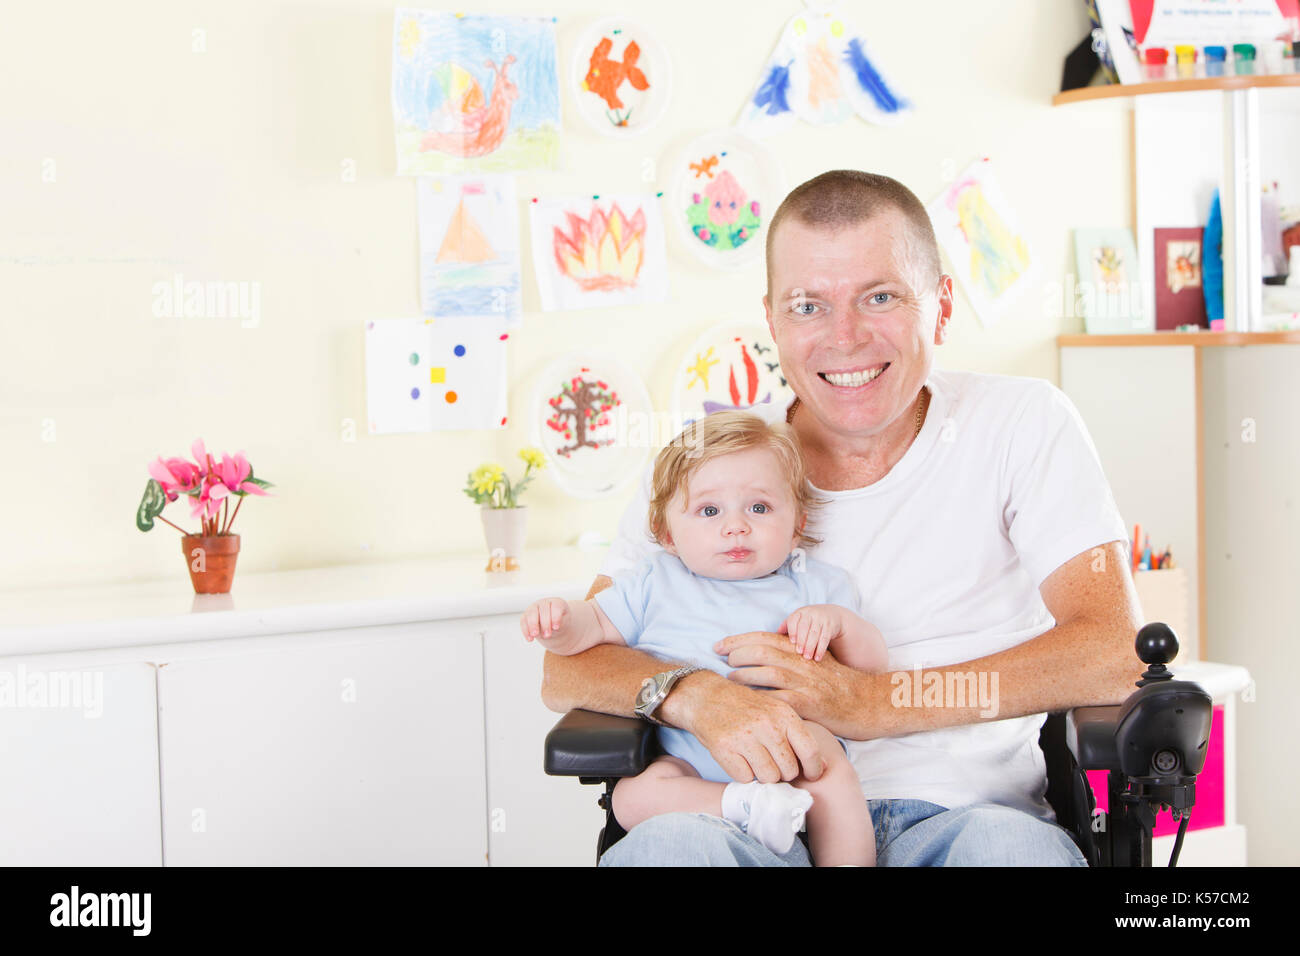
466,124
606,75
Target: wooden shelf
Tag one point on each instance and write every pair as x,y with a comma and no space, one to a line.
1234,82
1181,338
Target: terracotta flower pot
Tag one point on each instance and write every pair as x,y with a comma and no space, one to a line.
211,560
504,528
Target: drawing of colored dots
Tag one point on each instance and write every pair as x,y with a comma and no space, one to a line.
437,374
459,350
415,358
415,393
451,398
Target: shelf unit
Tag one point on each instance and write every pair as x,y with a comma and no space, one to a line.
1240,186
1119,90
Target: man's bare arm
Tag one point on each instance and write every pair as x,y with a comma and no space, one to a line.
596,679
1087,658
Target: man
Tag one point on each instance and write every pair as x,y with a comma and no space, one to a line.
974,515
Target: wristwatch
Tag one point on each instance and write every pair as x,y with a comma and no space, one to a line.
655,689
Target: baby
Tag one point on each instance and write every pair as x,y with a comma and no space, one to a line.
728,507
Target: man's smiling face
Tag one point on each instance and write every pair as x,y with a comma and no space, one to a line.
854,319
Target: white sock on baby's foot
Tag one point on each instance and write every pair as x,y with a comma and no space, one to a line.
772,813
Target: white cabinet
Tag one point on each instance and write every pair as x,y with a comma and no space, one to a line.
533,819
78,774
366,749
335,716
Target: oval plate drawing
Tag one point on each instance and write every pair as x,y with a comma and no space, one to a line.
725,188
732,366
622,77
587,412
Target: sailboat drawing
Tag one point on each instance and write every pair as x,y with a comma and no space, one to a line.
464,241
469,248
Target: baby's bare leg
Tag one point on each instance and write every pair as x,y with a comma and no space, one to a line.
669,785
839,823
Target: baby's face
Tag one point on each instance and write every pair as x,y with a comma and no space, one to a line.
737,518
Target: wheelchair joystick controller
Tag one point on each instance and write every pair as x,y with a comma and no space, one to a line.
1163,729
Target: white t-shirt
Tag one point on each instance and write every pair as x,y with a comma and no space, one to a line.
1001,488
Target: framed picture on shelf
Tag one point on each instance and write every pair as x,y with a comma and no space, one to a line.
1180,298
1108,288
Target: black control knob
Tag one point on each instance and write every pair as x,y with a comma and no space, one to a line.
1157,645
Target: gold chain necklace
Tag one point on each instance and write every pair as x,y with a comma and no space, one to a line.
921,406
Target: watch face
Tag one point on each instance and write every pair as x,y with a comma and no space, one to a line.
647,692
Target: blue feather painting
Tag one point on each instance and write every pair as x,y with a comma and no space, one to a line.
821,72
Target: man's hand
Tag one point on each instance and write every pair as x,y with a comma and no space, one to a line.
751,735
825,692
812,628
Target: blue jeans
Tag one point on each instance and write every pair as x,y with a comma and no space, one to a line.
908,833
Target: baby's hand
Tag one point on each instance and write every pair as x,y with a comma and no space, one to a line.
812,628
544,619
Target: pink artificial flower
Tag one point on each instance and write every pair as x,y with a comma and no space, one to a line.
176,475
208,502
201,455
234,473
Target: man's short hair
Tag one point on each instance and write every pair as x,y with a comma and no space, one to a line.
847,197
724,433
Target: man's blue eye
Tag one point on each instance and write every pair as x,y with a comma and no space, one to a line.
798,306
881,296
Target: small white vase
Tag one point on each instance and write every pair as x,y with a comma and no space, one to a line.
503,529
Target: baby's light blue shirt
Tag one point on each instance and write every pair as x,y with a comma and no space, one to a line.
669,611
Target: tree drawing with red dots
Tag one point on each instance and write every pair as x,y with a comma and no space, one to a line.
580,412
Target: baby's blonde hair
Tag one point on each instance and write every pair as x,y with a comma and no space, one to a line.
725,433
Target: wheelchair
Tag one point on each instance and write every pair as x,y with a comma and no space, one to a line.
1152,746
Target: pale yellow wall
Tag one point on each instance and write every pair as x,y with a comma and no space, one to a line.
226,165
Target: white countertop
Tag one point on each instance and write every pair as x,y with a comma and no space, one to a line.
56,619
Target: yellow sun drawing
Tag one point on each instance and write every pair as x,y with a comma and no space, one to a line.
701,368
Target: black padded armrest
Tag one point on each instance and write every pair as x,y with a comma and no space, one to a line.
587,744
1090,735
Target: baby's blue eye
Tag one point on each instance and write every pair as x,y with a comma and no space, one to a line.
706,509
763,507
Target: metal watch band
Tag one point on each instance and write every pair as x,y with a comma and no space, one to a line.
664,681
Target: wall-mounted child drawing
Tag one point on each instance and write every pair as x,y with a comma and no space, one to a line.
474,93
732,366
469,248
601,251
434,375
989,252
593,418
820,72
725,187
622,77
